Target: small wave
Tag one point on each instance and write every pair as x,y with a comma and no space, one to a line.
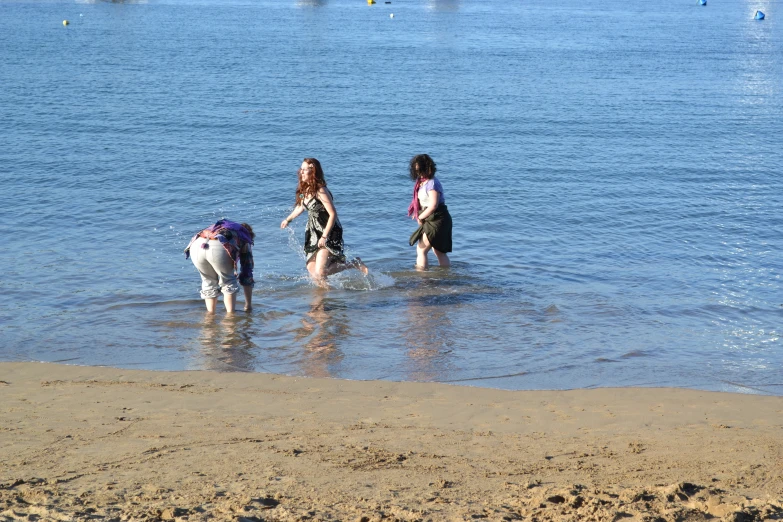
153,304
486,378
634,353
371,282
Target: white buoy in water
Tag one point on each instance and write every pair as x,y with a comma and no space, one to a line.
391,15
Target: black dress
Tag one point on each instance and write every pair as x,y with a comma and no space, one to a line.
437,226
317,218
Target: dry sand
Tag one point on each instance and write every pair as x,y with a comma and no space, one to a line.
81,443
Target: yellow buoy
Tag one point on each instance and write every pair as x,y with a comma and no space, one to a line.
66,22
370,2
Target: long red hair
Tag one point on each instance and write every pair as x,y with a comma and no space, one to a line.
310,188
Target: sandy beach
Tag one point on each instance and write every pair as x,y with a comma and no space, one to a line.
84,443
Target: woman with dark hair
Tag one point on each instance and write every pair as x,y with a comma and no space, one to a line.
428,208
215,252
324,234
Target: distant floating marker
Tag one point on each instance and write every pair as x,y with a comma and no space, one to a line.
370,2
759,15
66,22
702,2
391,15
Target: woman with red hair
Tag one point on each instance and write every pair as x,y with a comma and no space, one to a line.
323,244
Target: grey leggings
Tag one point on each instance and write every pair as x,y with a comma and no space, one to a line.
215,266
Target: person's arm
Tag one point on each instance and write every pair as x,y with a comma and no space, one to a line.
297,210
326,199
246,274
432,205
248,297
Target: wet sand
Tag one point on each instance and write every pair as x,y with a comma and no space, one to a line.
90,443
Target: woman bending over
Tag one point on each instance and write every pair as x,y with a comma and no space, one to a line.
216,251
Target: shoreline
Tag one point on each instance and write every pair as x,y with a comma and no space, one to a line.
109,444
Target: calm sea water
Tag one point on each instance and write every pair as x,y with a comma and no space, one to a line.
613,168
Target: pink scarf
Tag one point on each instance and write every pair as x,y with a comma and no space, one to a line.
413,208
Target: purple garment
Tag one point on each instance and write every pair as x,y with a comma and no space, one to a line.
432,184
422,187
224,224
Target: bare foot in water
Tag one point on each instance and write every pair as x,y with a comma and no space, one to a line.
357,263
321,283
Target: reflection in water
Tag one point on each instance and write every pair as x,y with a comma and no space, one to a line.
444,5
428,338
112,1
324,326
758,81
226,342
757,77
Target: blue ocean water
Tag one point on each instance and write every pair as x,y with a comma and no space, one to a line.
613,170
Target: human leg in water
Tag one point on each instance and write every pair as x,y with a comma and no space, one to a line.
422,249
320,267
